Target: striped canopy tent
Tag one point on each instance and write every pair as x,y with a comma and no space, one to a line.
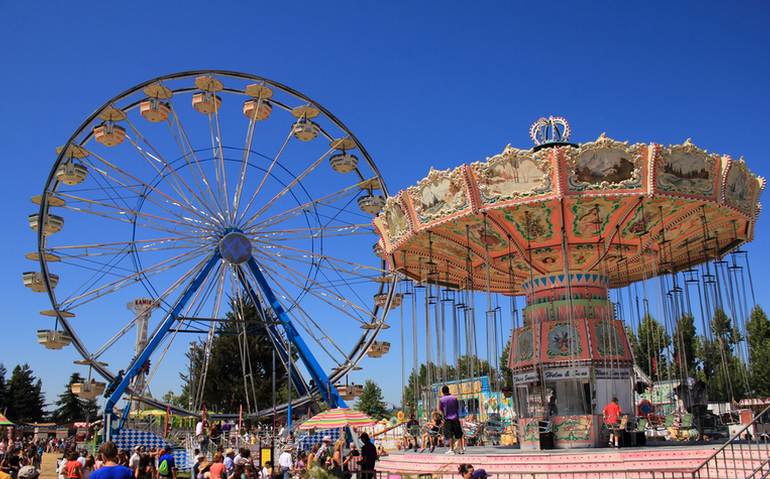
336,418
4,421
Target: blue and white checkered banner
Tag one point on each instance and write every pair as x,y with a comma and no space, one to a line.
128,439
306,442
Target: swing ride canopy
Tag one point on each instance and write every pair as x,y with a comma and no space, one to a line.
622,211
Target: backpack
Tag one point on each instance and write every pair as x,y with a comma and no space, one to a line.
163,468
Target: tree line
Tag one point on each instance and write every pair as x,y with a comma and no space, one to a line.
22,399
715,356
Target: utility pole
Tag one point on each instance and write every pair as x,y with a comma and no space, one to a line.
288,383
272,439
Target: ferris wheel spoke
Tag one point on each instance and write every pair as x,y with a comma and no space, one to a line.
267,246
269,170
100,274
304,259
148,241
292,212
151,158
295,306
329,286
97,266
157,302
296,278
114,286
225,191
244,163
210,337
288,235
146,188
124,216
304,321
183,139
295,181
141,188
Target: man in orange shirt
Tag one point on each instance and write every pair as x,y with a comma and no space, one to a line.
612,414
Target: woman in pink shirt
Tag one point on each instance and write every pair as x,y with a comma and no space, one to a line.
217,469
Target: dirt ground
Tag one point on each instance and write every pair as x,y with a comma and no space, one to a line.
48,467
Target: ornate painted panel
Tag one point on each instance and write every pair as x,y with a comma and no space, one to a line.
605,164
512,174
442,194
741,188
686,170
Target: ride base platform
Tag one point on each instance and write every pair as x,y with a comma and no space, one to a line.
670,461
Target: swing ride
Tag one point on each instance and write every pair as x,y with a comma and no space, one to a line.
575,229
187,196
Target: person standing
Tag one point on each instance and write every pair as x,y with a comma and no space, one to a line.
285,462
110,469
453,431
133,461
368,457
353,461
228,461
73,469
612,413
166,465
217,469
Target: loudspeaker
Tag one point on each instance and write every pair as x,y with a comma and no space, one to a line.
546,440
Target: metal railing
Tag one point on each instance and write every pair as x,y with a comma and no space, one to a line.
743,455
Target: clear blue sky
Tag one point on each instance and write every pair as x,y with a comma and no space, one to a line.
420,83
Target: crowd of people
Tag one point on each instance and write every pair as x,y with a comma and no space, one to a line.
19,458
342,462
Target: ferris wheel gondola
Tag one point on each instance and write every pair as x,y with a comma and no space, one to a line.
201,188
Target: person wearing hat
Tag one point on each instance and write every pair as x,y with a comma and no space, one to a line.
204,468
323,451
228,460
196,469
28,472
286,462
111,469
133,462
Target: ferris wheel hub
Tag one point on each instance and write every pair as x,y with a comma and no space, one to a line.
235,247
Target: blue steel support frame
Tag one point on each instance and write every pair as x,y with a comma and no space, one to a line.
152,344
328,392
275,338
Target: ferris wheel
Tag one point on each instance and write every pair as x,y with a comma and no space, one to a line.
191,194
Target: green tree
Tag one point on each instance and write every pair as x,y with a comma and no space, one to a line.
467,367
371,401
25,397
685,346
71,408
758,334
723,373
3,389
222,385
506,375
649,345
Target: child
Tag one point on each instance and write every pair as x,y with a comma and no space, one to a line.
432,431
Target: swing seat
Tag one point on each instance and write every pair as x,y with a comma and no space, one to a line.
686,421
641,424
472,432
